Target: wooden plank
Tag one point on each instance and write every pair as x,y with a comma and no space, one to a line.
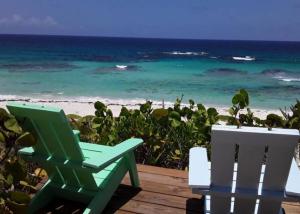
291,208
162,171
190,204
167,180
147,208
120,212
163,188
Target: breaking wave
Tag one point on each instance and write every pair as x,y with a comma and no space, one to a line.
188,53
282,75
243,58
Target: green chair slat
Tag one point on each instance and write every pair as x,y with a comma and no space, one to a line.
95,147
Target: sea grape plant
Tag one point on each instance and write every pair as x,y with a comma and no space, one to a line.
16,184
168,133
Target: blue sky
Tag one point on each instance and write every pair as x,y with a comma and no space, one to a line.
196,19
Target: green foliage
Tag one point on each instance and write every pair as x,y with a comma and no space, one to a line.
274,120
239,101
292,120
13,171
168,133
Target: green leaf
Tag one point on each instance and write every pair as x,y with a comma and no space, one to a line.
25,184
224,118
175,115
212,112
146,107
177,152
201,107
245,95
274,120
136,113
26,140
231,111
17,170
160,113
99,106
16,207
2,203
124,112
9,179
12,125
175,123
109,113
2,138
20,197
237,98
3,114
98,120
99,113
73,116
192,103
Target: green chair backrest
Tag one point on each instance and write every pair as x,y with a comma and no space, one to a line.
56,144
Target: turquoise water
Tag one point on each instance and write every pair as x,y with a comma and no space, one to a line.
80,68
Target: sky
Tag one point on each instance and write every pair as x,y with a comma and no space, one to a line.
195,19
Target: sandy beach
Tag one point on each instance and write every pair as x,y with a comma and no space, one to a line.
87,107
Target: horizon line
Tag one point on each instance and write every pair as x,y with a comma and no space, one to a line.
155,38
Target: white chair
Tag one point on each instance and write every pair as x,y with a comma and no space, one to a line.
251,171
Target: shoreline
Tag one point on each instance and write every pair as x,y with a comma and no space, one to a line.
83,108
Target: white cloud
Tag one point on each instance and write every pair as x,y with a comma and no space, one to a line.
17,19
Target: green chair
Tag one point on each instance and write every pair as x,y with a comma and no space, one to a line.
78,171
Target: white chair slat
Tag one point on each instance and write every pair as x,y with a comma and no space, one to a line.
250,160
279,158
244,205
269,206
220,204
222,160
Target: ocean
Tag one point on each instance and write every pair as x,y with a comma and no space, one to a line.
131,70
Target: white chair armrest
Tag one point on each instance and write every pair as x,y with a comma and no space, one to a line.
292,188
199,173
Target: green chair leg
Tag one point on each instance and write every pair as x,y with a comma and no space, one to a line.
134,178
100,200
43,197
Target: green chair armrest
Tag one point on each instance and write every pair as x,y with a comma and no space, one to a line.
77,134
27,151
99,162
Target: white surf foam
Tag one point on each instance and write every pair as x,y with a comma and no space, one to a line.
121,67
290,79
246,58
52,98
187,53
286,78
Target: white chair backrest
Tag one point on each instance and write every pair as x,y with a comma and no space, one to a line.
261,155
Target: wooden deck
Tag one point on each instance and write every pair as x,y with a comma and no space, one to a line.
162,191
